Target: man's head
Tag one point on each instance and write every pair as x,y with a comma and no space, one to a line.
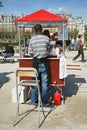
38,29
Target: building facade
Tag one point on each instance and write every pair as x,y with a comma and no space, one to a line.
7,23
76,22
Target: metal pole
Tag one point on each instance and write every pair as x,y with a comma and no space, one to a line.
63,36
19,39
24,36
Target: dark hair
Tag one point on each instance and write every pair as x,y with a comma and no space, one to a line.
46,33
57,43
79,36
38,28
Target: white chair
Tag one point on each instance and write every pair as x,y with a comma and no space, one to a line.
29,72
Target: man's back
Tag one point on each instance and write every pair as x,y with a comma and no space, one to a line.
38,48
39,45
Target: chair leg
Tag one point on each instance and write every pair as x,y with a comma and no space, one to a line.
17,107
17,113
40,104
38,110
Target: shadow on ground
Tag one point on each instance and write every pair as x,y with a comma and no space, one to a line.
72,84
4,78
44,113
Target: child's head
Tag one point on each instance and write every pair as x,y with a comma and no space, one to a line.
46,33
57,44
79,36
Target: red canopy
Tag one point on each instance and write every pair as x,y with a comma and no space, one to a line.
41,16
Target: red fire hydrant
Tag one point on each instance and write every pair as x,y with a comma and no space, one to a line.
57,98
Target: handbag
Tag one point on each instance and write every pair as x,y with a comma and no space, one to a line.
79,45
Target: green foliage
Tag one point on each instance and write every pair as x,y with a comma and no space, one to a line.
6,34
27,35
73,33
85,40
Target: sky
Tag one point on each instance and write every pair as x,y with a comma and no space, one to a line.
18,7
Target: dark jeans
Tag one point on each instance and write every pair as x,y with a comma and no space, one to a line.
80,52
42,68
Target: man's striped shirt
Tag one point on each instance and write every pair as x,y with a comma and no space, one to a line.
38,46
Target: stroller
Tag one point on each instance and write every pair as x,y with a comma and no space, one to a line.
9,52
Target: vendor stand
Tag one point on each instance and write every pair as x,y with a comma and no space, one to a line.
46,19
53,63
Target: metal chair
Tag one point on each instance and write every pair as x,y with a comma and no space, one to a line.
29,72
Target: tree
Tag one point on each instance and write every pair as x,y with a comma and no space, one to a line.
73,33
27,35
85,40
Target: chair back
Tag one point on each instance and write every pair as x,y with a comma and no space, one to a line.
30,72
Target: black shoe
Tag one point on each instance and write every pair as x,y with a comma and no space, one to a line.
73,59
83,61
33,103
46,105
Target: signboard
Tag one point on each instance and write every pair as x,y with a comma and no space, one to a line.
60,33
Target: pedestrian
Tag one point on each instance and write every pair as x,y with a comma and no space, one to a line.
39,48
79,47
68,42
9,51
72,44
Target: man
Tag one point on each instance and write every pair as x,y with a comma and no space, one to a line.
39,49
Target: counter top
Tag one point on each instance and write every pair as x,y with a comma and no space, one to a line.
28,57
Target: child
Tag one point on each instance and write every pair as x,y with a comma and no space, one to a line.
58,50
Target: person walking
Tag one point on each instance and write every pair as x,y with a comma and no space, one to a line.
39,49
72,44
79,47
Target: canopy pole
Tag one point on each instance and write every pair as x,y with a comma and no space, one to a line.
24,36
63,36
19,40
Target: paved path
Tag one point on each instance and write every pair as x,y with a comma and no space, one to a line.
70,116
